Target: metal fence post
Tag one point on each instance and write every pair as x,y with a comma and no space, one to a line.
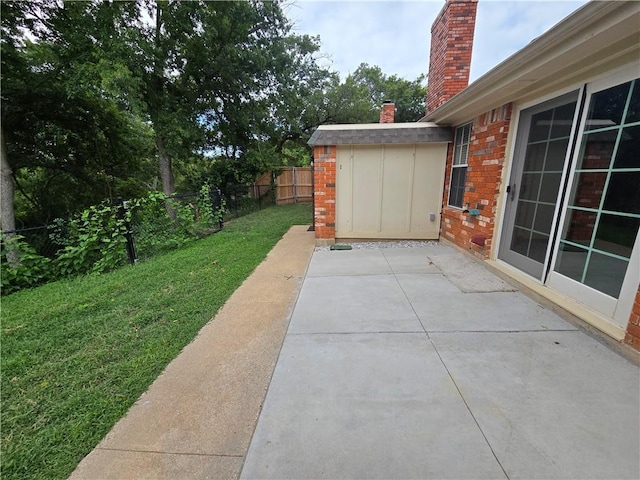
217,206
295,185
131,248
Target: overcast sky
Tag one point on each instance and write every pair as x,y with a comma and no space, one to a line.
395,35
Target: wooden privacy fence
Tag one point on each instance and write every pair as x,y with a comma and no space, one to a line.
293,185
262,185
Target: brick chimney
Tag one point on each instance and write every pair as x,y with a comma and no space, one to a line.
388,112
451,45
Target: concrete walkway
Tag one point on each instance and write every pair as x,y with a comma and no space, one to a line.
419,363
197,418
397,363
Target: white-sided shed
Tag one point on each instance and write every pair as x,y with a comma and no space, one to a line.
389,179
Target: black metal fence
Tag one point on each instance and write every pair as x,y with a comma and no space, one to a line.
242,199
162,226
42,239
152,227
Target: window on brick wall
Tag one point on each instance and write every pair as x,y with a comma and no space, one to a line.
459,167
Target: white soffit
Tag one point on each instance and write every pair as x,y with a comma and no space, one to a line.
596,37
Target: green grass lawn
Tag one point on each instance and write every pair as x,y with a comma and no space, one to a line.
76,354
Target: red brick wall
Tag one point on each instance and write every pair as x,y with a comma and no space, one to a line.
388,113
451,46
633,329
324,177
482,186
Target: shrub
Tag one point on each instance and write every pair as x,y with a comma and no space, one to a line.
95,240
28,270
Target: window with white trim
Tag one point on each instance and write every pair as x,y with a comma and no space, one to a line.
459,167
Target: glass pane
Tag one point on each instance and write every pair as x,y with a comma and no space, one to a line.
571,261
623,194
633,113
606,107
525,213
555,155
544,218
628,154
466,133
562,120
542,167
579,226
457,155
606,274
538,247
550,187
588,188
540,125
464,156
606,234
534,158
529,187
520,241
459,132
456,193
616,234
597,150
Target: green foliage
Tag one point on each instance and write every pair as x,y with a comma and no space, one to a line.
206,208
359,98
77,353
96,96
95,242
409,96
155,231
71,140
32,269
311,96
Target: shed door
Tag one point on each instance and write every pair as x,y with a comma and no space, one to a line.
389,191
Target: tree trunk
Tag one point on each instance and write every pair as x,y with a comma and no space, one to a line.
164,159
7,215
166,171
166,174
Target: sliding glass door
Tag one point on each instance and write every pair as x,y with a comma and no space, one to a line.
572,212
597,259
535,184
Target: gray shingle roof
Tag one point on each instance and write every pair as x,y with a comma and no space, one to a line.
380,133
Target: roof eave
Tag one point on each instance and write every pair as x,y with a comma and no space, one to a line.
377,134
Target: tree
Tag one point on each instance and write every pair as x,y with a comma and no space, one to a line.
204,67
409,96
69,142
316,97
290,109
93,92
91,83
308,96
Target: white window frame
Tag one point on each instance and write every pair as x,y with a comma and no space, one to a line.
617,309
460,158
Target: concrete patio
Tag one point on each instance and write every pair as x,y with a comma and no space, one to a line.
420,363
389,363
